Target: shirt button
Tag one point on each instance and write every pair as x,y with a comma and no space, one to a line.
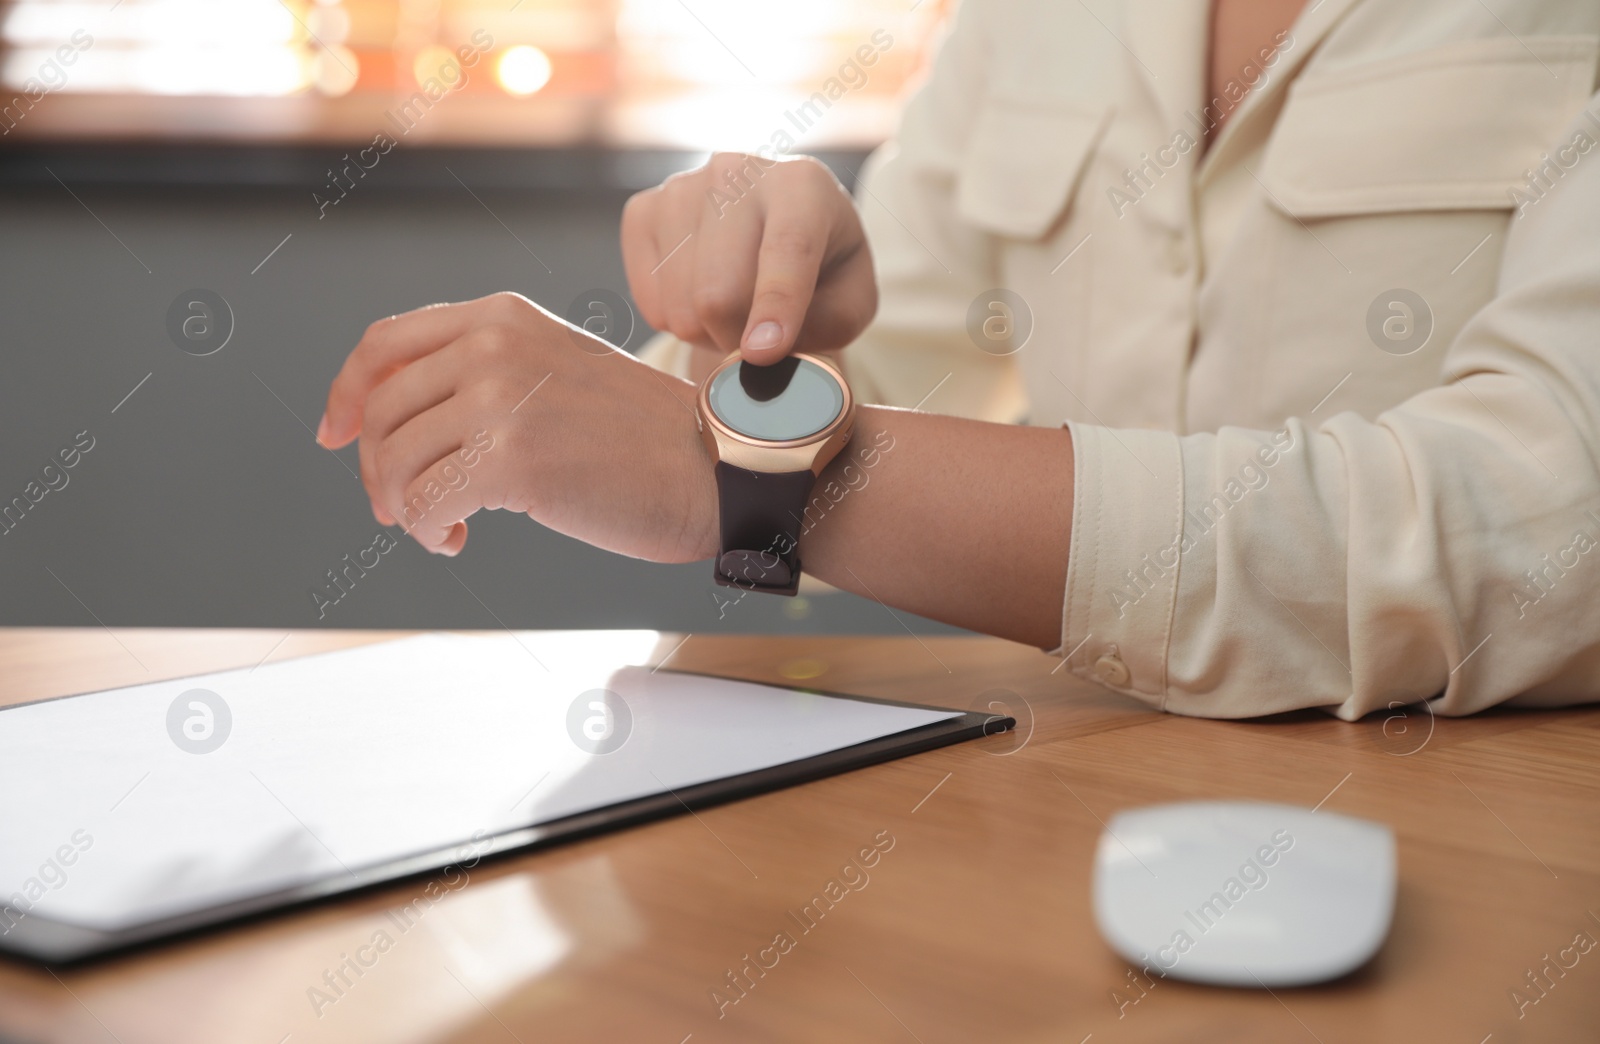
1178,256
1111,670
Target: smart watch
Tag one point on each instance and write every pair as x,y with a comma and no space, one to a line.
770,431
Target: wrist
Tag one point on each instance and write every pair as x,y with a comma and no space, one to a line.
696,480
843,482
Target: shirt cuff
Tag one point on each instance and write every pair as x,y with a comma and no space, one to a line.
667,354
1122,567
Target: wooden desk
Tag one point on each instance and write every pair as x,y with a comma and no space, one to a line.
975,926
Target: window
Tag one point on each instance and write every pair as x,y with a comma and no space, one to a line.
670,73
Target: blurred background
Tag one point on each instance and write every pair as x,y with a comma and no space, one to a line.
204,202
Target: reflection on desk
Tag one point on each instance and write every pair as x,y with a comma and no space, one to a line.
976,926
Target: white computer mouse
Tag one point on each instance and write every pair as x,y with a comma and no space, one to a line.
1238,893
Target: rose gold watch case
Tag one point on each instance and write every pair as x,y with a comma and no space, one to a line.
811,453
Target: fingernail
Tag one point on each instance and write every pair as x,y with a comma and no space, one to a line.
764,337
322,430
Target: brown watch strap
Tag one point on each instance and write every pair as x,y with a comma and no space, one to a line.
761,522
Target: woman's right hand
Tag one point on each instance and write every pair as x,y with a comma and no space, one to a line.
750,254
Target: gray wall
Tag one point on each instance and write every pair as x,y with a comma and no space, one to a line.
204,500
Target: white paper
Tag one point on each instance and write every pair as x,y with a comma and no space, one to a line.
351,759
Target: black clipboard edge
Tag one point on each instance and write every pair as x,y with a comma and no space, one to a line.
38,939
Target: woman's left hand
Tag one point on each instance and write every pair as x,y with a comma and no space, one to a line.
496,403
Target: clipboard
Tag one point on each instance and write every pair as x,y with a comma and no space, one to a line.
47,934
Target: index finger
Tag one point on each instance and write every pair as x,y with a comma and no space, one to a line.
385,347
794,243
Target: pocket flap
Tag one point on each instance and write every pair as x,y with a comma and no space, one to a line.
1454,127
1022,163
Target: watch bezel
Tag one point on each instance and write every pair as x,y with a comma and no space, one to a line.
810,452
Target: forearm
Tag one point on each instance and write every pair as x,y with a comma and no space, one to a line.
958,520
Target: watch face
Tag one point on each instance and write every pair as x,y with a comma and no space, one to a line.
779,403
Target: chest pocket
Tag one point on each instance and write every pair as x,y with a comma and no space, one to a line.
1456,127
1022,165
